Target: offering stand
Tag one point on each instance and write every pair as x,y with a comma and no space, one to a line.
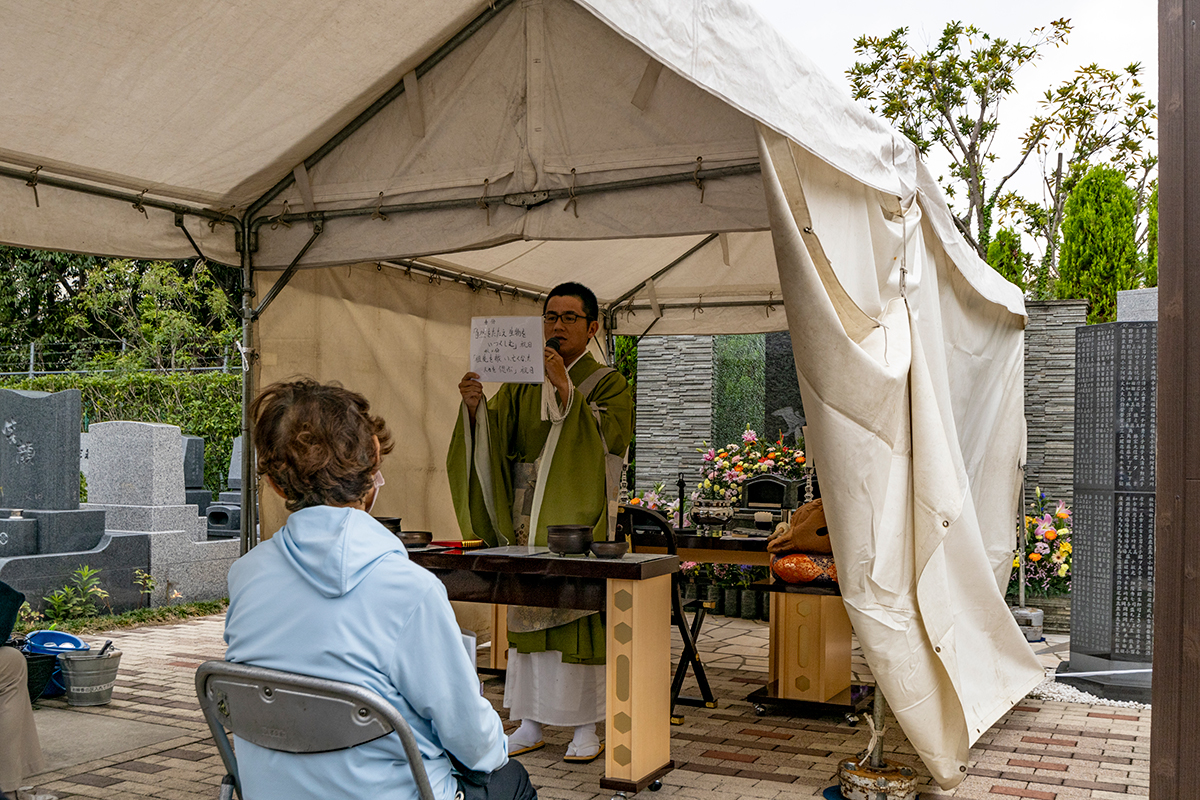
634,591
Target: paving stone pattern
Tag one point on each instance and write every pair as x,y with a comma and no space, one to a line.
1039,750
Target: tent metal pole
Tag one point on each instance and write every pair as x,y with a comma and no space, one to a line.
362,119
519,199
249,480
283,279
707,239
113,194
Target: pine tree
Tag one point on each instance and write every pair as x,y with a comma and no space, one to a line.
1099,250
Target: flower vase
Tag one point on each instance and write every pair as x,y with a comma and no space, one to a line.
712,594
749,601
729,604
689,590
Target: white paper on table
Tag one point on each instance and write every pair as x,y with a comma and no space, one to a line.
507,349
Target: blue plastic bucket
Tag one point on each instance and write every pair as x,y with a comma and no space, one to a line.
53,643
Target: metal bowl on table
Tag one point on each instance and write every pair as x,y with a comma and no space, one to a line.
415,539
569,540
391,523
610,549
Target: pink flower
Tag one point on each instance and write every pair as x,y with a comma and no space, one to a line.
710,455
749,436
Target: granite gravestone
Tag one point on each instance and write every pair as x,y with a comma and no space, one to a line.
39,475
1112,581
39,449
784,415
193,475
225,515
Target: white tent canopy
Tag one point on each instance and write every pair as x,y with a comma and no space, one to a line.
397,167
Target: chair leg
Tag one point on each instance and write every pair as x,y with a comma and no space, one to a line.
690,656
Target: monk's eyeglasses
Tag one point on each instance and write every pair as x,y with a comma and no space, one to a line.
568,318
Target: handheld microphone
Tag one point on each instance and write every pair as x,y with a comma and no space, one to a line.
553,343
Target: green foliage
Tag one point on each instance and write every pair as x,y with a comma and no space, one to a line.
949,97
625,350
169,314
1151,272
160,615
1006,257
77,600
1099,115
1099,252
36,295
206,404
739,384
144,581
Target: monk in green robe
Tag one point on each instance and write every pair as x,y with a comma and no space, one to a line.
547,454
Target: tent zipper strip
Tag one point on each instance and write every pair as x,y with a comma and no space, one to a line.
471,282
516,198
369,113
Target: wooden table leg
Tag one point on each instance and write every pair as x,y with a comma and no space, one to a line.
637,727
810,646
499,655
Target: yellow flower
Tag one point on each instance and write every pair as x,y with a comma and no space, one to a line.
1064,547
1062,571
1016,563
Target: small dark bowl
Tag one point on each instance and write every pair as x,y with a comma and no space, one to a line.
610,549
415,539
391,523
569,540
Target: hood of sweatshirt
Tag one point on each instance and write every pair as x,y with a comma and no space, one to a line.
335,548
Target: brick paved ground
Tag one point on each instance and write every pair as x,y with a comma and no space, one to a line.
1040,750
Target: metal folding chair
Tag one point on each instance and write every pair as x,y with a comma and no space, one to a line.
648,528
295,714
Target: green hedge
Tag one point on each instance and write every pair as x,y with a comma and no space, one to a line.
206,404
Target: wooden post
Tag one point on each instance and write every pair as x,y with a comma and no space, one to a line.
1175,731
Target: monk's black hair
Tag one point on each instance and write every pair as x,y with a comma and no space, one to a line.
591,307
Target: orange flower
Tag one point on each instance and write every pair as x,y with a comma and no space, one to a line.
738,468
799,459
1035,556
1052,535
635,501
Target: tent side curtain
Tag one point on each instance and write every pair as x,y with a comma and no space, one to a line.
915,425
400,341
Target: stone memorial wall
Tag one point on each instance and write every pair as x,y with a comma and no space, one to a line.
1112,584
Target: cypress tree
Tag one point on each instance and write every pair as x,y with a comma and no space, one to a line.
1099,251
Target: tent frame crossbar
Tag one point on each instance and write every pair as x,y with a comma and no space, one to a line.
282,280
137,201
519,199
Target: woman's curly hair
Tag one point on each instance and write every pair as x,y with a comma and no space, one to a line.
314,441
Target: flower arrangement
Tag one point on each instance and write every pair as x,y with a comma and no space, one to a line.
1047,548
723,470
654,499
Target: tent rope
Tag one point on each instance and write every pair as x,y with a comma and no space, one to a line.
573,202
483,203
876,738
32,182
278,219
137,204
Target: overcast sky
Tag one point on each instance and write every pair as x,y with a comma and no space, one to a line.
1110,33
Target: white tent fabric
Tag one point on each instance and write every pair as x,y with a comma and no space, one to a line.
517,144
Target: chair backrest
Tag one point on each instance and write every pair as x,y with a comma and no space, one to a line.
297,714
645,527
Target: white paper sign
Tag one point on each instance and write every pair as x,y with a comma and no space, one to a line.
507,349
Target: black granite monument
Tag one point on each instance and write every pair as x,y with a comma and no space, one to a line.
1112,583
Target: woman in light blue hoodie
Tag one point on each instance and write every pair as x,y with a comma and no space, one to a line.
333,594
